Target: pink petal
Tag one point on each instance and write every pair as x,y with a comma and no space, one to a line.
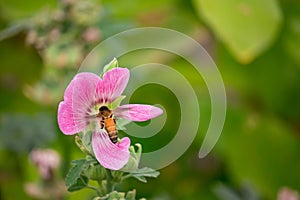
112,85
65,119
78,100
110,155
137,112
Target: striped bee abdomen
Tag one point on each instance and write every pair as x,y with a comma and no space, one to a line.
110,127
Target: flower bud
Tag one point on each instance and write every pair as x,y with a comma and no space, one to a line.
95,172
134,159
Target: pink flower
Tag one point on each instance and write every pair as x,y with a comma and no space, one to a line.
46,160
83,97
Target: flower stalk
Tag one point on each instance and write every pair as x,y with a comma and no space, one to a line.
109,181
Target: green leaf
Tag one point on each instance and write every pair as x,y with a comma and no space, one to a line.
140,178
20,132
146,171
291,36
75,172
15,10
78,162
275,143
140,174
80,184
247,28
110,66
116,102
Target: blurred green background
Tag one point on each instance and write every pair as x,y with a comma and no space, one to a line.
255,44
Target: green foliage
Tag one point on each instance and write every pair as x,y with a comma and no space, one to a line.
141,174
291,33
73,177
21,132
80,183
110,66
130,195
248,28
262,144
134,159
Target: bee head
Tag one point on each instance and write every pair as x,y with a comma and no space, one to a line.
104,111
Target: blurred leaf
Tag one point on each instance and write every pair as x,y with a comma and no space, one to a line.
135,8
12,72
247,28
291,33
14,9
225,192
22,133
63,54
75,172
262,150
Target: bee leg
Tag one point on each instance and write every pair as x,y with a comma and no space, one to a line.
102,124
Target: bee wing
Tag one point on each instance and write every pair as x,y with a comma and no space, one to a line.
95,116
121,123
93,119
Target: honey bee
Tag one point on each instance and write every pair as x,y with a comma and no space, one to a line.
107,121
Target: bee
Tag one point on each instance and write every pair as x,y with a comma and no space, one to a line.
107,121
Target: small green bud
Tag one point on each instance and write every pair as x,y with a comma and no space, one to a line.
134,159
112,64
131,195
95,172
78,142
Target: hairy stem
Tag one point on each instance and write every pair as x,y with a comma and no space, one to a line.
92,188
109,181
126,177
101,186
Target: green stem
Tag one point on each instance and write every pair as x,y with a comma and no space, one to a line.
92,188
101,186
96,189
13,30
109,181
126,177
